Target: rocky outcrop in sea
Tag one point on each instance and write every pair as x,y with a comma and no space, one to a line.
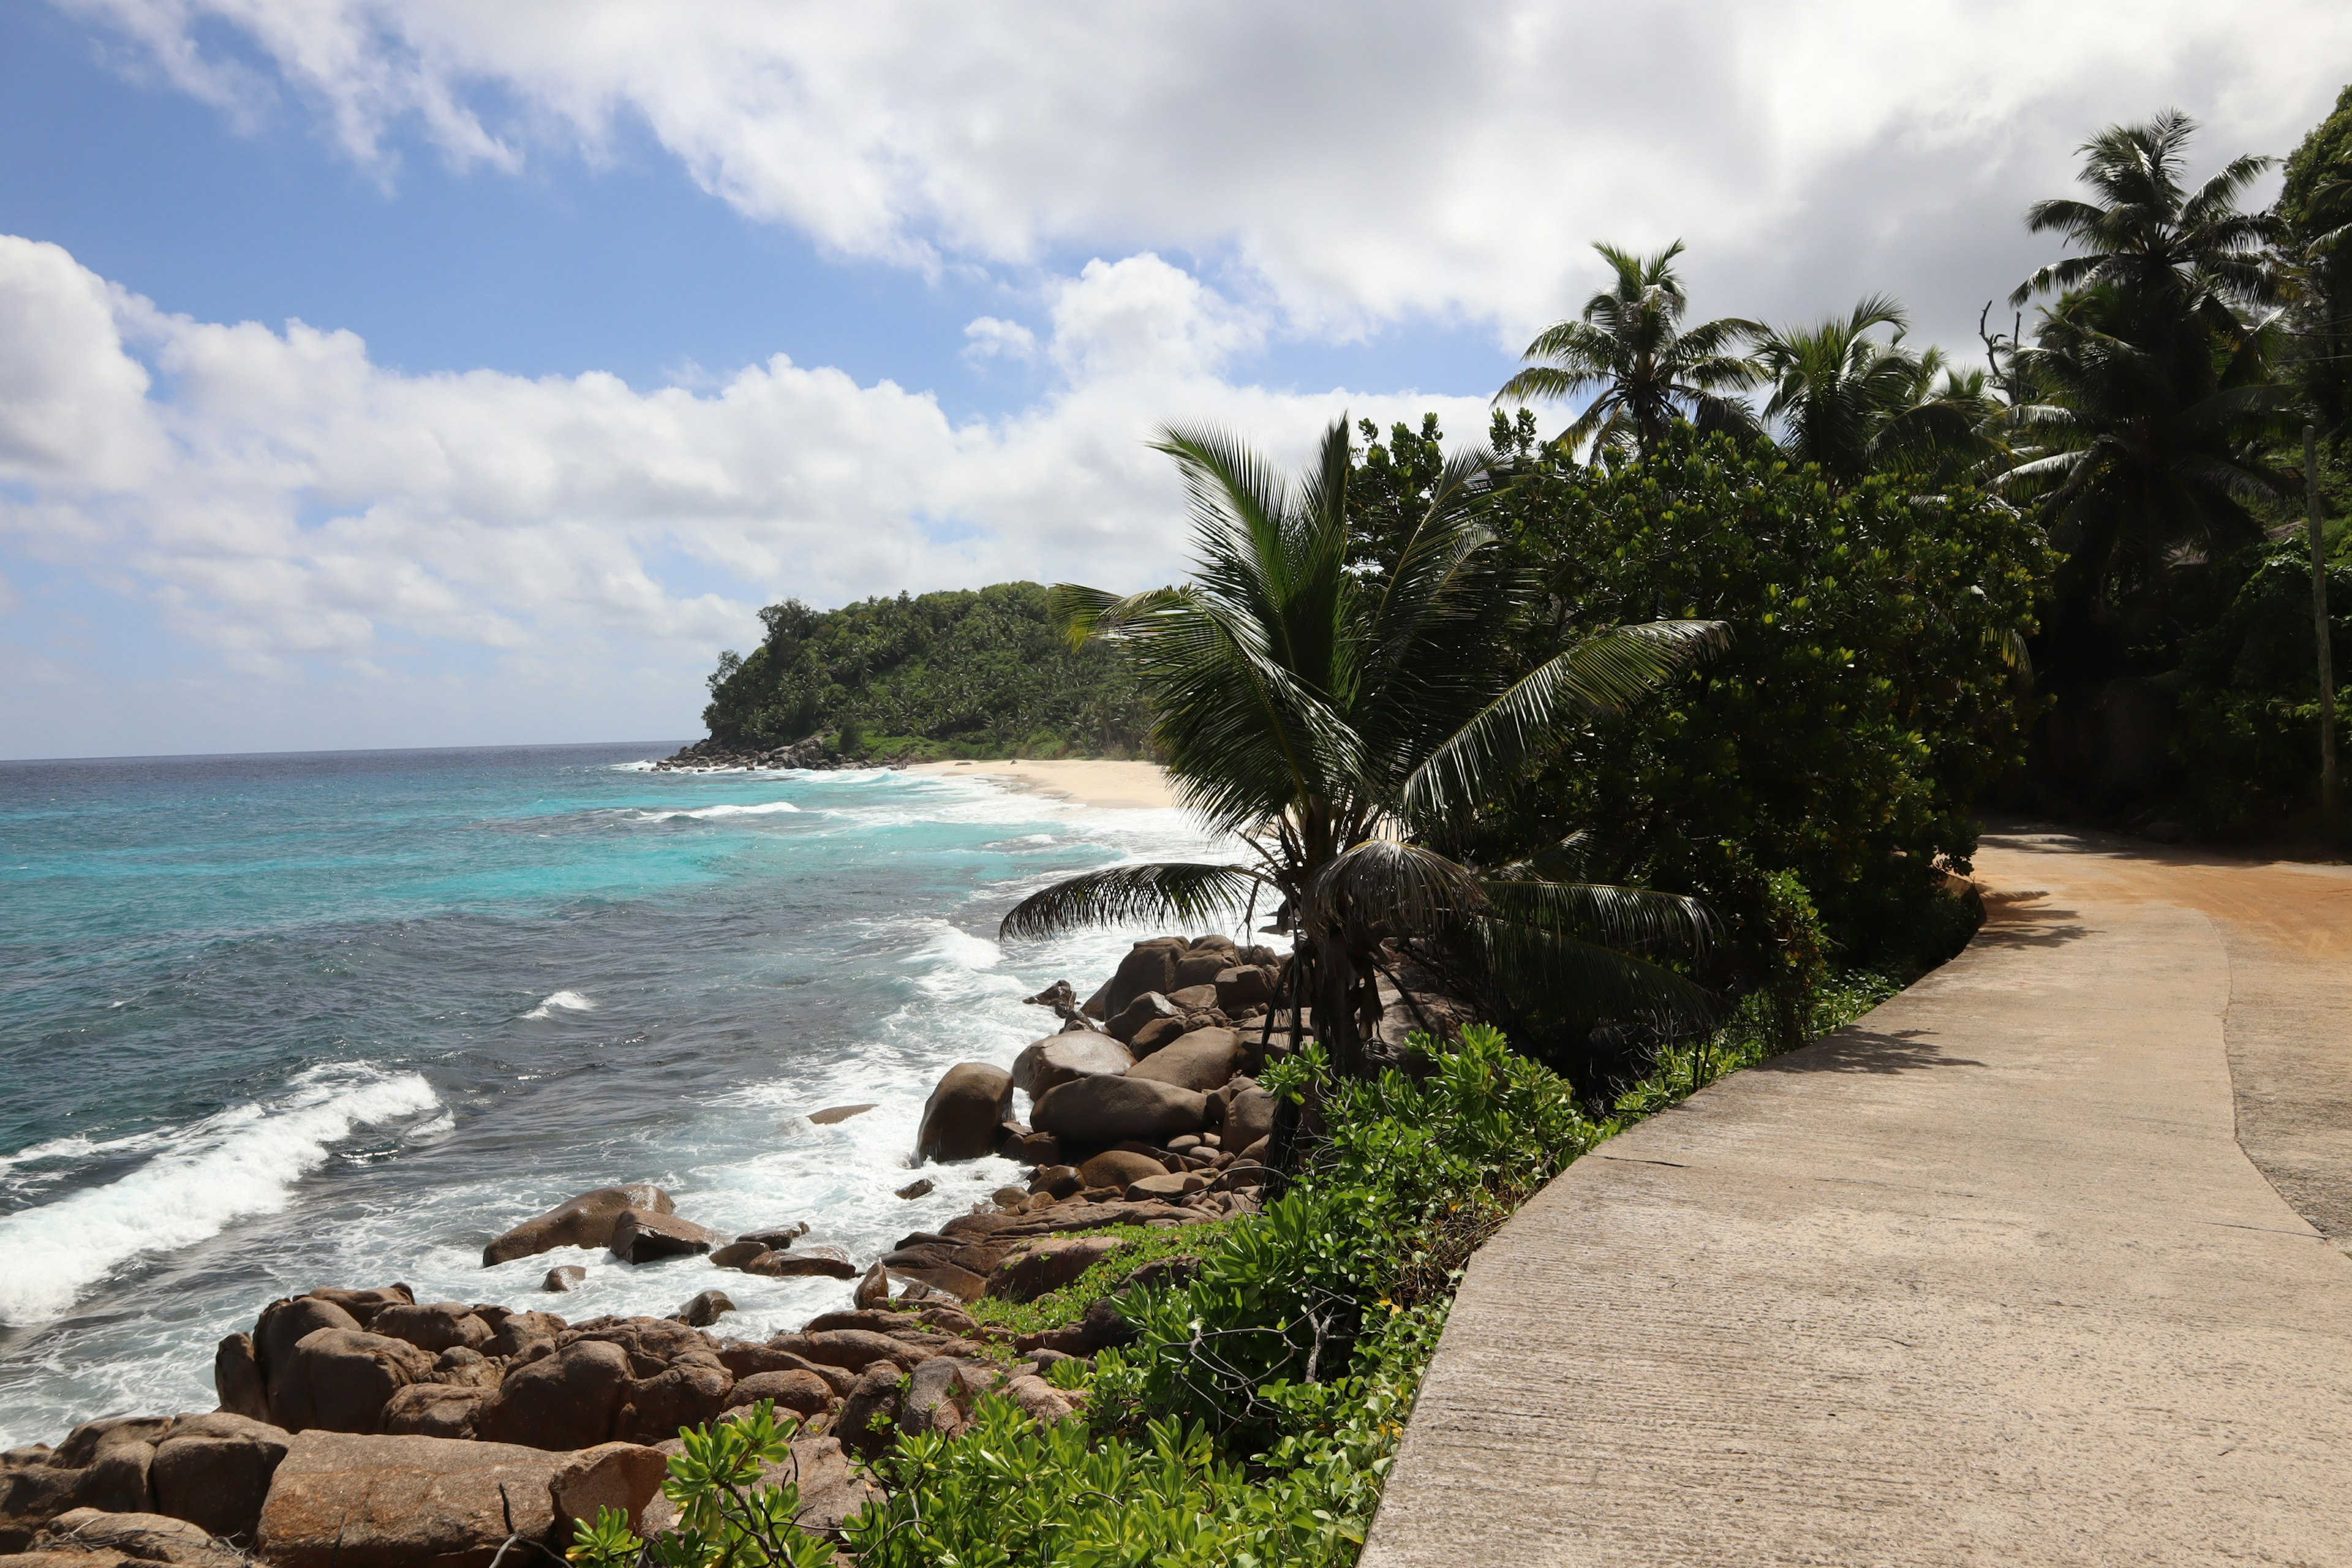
364,1428
814,753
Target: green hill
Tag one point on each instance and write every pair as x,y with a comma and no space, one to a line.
963,674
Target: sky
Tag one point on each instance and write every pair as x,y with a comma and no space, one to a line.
407,372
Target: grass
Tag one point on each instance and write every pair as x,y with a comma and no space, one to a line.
1144,1244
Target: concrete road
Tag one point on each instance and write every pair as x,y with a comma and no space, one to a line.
2042,1262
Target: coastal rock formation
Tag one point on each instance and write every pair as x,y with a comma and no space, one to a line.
135,1538
346,1500
961,1119
641,1236
1057,1058
1202,1060
1101,1110
812,754
583,1221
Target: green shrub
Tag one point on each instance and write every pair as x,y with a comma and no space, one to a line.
727,1516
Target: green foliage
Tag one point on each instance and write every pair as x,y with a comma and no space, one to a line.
1861,709
1753,1033
967,673
1140,1245
2312,204
728,1517
2248,699
1410,1177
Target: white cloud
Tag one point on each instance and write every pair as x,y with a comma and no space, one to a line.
318,521
1354,166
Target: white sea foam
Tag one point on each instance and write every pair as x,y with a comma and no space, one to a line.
705,812
243,1160
562,1001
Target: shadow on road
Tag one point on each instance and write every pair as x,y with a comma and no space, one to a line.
1870,1051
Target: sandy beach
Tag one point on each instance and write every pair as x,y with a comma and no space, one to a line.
1087,781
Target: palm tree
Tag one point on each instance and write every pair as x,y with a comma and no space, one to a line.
1631,343
1343,726
2143,451
2172,253
1854,403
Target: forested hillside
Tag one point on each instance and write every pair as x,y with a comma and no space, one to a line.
954,674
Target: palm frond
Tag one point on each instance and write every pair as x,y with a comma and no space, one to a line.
1187,894
1633,919
1395,887
1605,671
1595,980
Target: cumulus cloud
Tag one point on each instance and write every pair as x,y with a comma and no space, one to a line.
1354,168
279,498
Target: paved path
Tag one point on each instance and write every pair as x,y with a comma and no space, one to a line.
2008,1272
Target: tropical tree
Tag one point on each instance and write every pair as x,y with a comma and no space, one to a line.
2314,212
1343,726
2149,452
2170,252
1854,403
1629,344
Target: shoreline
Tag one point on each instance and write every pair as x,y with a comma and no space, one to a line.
1086,781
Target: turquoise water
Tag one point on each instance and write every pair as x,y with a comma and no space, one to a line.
274,1022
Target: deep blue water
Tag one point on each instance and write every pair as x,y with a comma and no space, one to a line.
273,1022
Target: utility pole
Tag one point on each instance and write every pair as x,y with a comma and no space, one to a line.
2320,624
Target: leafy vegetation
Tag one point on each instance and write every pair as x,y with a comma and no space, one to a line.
1340,724
981,673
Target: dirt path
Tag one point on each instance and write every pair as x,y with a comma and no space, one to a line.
1988,1277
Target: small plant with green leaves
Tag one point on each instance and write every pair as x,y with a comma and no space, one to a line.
729,1515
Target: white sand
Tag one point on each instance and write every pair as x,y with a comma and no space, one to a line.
1087,781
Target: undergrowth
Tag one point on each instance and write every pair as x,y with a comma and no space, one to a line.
1254,1417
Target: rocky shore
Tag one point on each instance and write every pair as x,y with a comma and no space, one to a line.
813,753
359,1427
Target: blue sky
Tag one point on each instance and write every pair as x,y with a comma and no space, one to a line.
531,456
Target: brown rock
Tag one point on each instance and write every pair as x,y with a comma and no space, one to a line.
960,1118
568,1277
518,1330
1156,1034
778,1237
1150,965
654,1409
341,1501
873,1289
923,1188
1242,988
283,1325
434,1326
1202,1060
640,1236
433,1410
1047,1264
214,1470
1200,967
340,1379
867,1422
364,1305
1036,1148
855,1349
1249,1114
1103,1110
1170,1184
139,1537
112,1457
583,1221
236,1378
832,1114
736,1254
1058,1058
1194,998
830,1491
809,1263
796,1393
1129,1020
1117,1168
626,1475
567,1400
749,1360
704,1310
932,1400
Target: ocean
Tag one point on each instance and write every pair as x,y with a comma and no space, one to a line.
274,1022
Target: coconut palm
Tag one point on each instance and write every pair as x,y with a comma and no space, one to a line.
1853,402
2170,252
1341,726
1631,345
2143,451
